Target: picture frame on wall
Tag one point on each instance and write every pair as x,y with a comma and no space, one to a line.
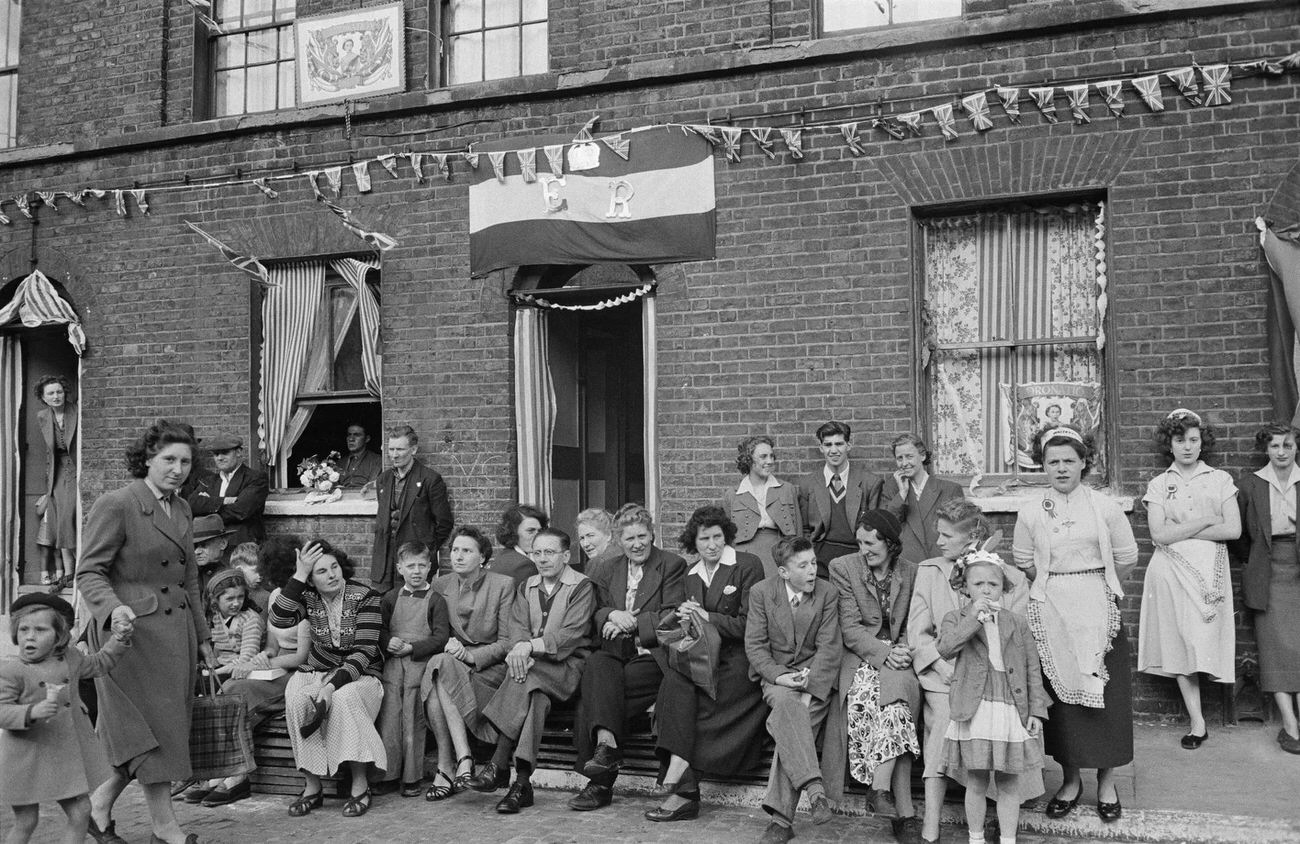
350,55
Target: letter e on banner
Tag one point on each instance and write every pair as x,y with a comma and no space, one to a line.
551,198
620,193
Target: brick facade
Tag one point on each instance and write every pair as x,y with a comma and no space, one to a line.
806,314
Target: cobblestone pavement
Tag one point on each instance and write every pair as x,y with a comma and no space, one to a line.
471,817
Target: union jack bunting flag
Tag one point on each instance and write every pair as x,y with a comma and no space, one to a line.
247,263
1148,88
977,106
1111,94
555,157
498,160
620,144
1010,103
851,138
1218,79
379,240
794,141
528,164
912,120
1045,99
947,125
731,141
389,163
1078,95
1185,79
763,137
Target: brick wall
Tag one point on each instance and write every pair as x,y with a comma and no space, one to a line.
807,312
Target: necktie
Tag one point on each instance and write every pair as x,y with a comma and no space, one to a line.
165,502
795,600
837,488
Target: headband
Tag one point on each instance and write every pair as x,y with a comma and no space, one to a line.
1062,431
980,556
1184,413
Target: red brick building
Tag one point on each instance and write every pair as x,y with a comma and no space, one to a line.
826,298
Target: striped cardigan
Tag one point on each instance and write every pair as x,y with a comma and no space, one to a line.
358,653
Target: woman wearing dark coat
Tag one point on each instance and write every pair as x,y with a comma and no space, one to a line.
57,507
699,733
915,497
138,563
519,524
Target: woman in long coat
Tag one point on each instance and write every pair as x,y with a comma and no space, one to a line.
722,733
138,563
57,507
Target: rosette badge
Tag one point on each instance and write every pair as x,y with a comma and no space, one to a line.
1050,507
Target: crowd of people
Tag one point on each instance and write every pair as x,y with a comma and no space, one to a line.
864,623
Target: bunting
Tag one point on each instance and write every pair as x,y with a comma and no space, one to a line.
443,162
361,173
947,125
890,126
1010,98
555,157
1078,98
247,263
141,201
389,162
378,240
849,131
498,160
315,186
417,164
1185,80
528,164
334,178
763,137
731,142
1045,99
1218,79
1111,94
793,141
270,192
119,202
1148,88
912,120
471,158
977,107
619,145
24,205
48,198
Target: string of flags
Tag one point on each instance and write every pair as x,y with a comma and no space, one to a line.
1201,86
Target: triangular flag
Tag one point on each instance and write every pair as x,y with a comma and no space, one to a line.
471,158
731,141
334,176
1010,98
709,133
763,137
498,160
1111,93
1148,88
851,138
24,205
48,197
1044,98
555,158
315,186
1078,95
621,145
1291,62
793,141
947,125
527,164
247,263
389,162
890,127
261,184
443,163
1218,79
1263,67
80,196
141,201
361,172
912,120
1185,80
977,106
119,202
417,164
380,241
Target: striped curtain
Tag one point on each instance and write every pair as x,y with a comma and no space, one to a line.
288,312
1016,275
11,397
355,271
649,349
36,303
534,408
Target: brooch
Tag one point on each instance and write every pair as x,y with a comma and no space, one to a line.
1050,507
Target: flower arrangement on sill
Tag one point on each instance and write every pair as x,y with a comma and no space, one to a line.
321,478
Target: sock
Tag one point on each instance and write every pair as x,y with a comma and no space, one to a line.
814,789
524,768
977,837
1007,839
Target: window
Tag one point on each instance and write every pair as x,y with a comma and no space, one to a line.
320,360
10,27
1012,316
252,63
493,39
842,15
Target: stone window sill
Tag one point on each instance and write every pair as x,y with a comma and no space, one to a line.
295,504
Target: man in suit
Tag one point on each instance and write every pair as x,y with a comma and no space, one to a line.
236,492
637,593
833,496
792,639
412,507
360,465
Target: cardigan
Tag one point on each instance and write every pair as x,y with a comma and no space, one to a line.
358,653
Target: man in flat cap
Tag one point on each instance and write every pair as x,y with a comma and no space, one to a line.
235,492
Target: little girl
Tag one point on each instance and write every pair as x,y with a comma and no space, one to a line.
48,750
236,624
997,702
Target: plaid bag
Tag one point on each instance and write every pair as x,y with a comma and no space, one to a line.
221,742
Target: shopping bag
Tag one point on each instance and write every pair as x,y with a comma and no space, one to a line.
221,742
693,652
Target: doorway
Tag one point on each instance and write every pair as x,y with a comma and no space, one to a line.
598,371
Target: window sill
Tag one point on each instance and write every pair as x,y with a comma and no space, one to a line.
1012,502
295,504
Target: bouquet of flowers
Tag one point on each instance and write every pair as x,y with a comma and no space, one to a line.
321,477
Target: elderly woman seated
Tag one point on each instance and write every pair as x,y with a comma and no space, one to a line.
332,702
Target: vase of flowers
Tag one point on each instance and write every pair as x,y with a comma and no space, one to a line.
321,478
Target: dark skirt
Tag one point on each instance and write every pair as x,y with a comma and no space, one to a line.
1278,629
1085,737
720,736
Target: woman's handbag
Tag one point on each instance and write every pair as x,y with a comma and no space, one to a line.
693,652
221,742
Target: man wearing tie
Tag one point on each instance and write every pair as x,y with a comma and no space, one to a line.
833,496
412,506
236,492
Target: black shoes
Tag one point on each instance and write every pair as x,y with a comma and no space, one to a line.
490,778
776,834
688,811
221,796
1191,742
591,797
605,761
1109,812
107,835
520,796
820,808
1058,808
907,830
305,804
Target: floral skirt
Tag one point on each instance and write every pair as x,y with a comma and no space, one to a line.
876,734
995,741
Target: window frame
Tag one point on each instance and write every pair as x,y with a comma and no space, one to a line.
445,57
205,64
11,71
1110,469
823,32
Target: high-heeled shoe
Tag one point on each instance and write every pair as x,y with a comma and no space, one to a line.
1192,741
1109,812
1058,808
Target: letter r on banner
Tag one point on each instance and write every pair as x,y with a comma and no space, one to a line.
620,193
551,198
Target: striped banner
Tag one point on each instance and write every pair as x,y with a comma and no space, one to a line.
288,311
657,206
11,398
534,408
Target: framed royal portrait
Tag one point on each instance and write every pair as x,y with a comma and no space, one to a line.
350,55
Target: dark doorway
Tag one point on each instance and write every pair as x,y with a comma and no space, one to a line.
598,456
46,351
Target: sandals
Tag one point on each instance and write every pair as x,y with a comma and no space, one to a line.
357,806
304,804
461,783
441,792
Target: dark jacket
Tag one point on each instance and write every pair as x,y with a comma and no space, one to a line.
920,526
663,587
1255,547
248,486
424,516
962,638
